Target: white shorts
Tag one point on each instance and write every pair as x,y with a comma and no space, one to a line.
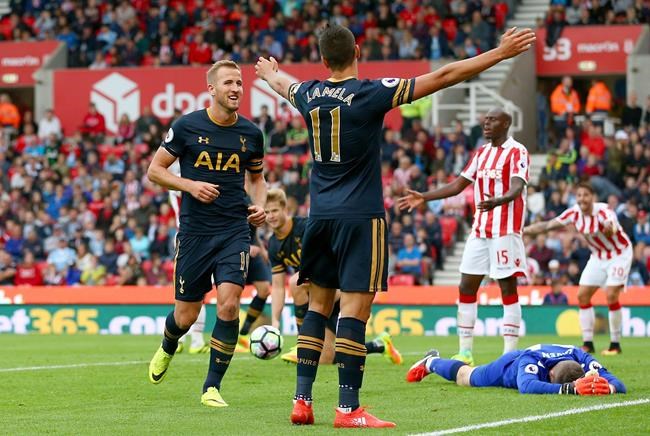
607,272
498,258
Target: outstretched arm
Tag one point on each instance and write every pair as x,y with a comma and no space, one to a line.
267,70
512,44
414,199
543,227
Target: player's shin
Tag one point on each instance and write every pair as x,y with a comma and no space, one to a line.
587,320
445,368
310,346
351,360
172,334
254,311
467,311
222,347
511,322
197,329
300,311
615,322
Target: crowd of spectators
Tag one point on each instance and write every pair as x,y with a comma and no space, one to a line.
79,209
564,13
613,153
102,33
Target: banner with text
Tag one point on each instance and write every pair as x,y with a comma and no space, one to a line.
19,61
586,50
395,319
129,90
412,295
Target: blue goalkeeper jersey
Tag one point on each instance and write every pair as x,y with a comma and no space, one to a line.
528,370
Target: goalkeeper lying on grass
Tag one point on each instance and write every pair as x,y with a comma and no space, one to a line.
540,369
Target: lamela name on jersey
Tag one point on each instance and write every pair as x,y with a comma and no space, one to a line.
338,93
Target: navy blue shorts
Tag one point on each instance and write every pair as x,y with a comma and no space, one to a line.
201,257
492,374
346,254
258,270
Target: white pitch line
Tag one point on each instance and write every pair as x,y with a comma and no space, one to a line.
537,417
130,362
73,365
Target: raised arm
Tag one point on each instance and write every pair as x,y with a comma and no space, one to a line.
512,44
413,199
267,70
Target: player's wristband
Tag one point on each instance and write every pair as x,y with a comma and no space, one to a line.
567,389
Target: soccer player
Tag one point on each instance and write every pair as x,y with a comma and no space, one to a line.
285,248
345,240
609,264
540,369
218,150
259,275
499,171
197,341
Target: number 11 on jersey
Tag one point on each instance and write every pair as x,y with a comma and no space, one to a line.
335,135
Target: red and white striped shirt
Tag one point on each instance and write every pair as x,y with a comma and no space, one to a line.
591,227
491,169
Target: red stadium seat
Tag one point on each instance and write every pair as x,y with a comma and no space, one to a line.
450,27
449,227
168,267
401,280
501,13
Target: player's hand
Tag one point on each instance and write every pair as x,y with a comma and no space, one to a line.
264,66
609,228
412,200
204,192
254,251
256,215
514,43
592,385
488,204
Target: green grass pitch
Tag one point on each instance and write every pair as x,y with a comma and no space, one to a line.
114,395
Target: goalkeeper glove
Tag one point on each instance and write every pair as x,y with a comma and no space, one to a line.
592,385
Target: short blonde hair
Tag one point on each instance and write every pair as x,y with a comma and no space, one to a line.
276,195
212,72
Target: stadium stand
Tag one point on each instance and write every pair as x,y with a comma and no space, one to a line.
86,197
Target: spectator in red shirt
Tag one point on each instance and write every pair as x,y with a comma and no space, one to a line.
595,142
28,273
200,51
93,124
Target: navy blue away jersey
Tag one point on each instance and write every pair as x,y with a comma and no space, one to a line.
529,371
285,253
213,153
345,120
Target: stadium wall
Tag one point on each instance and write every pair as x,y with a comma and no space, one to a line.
429,311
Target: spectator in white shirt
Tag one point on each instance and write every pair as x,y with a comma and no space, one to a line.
49,124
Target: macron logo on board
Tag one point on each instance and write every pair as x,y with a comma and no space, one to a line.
114,96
